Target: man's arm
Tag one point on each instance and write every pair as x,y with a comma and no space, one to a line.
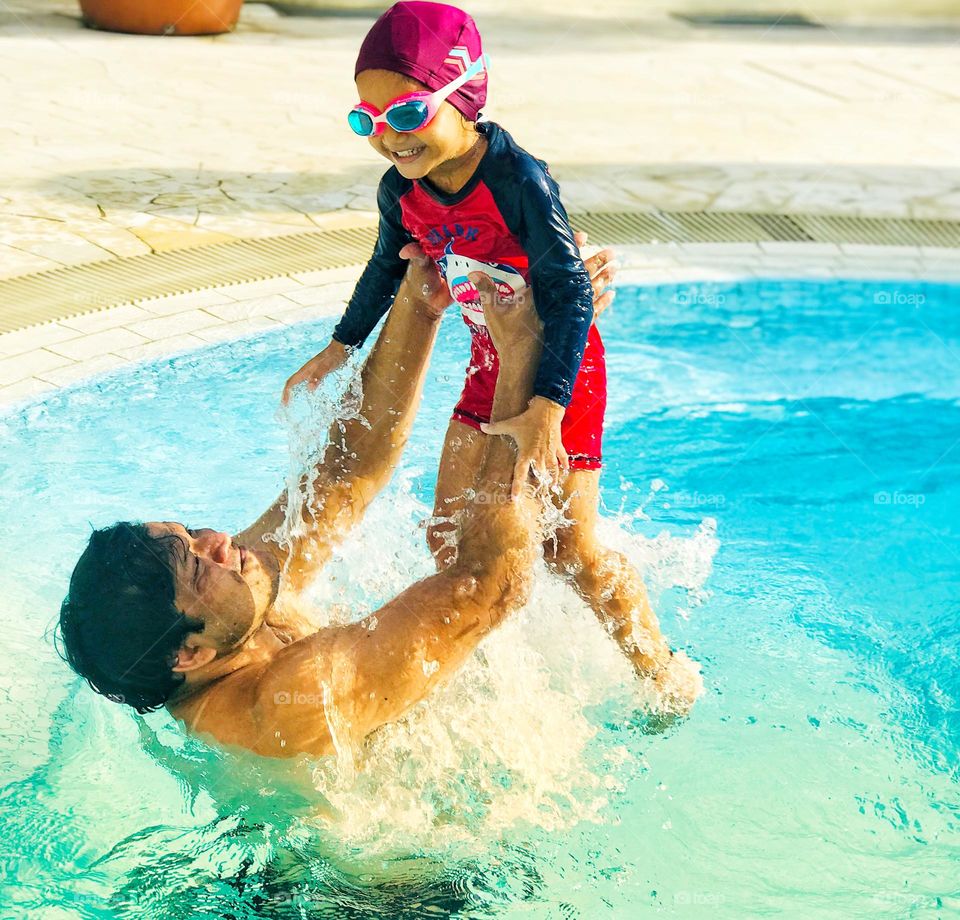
362,453
372,672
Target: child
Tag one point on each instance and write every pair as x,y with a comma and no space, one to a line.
463,192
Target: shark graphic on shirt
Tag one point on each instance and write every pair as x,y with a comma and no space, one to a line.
455,269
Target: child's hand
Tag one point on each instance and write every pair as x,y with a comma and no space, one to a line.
425,279
332,357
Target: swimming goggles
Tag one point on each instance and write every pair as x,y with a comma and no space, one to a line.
412,111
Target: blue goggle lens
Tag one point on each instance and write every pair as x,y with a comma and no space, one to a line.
361,123
408,116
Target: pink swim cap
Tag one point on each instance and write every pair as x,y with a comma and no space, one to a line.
430,42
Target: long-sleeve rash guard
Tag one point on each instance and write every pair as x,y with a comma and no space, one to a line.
507,221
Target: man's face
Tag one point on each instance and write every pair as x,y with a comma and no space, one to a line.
230,588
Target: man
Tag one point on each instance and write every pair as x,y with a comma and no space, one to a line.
159,615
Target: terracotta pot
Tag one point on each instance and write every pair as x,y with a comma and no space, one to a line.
162,17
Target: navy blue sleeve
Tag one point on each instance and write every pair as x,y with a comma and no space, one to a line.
377,286
561,284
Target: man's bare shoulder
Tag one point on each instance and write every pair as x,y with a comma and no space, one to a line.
276,708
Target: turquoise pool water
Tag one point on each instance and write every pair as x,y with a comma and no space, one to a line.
783,460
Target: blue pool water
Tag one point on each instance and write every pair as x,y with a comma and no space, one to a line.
782,459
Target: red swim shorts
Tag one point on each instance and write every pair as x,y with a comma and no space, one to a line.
582,425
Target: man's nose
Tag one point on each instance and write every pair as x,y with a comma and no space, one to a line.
217,546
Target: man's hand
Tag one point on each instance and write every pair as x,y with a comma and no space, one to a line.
313,372
432,292
425,279
536,431
539,444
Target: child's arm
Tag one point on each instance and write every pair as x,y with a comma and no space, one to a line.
561,286
374,291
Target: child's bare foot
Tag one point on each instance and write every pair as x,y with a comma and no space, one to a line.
678,683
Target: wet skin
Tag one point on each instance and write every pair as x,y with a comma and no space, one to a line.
255,673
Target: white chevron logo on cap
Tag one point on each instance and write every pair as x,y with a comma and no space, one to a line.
459,57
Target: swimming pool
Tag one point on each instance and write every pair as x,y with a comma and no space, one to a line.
782,458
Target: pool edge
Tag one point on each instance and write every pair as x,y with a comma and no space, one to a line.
49,356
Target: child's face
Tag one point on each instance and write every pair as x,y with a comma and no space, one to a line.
442,139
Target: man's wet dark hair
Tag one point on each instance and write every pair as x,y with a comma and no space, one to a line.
119,627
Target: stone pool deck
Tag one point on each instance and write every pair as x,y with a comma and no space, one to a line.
124,145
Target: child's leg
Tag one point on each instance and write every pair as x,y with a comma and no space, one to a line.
459,462
607,581
604,578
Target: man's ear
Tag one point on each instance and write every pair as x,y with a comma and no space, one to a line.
189,658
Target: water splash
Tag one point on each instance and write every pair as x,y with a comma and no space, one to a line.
308,420
461,768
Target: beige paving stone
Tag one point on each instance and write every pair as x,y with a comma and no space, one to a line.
307,314
24,390
23,340
162,347
334,219
20,367
335,291
257,306
97,343
238,329
801,250
728,250
82,370
14,261
939,253
109,318
67,250
178,303
246,227
250,289
165,236
115,240
164,327
328,275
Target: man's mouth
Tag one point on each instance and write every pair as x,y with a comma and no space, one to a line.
408,155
